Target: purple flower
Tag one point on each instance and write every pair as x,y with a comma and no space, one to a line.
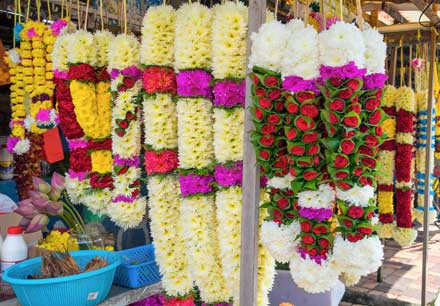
12,141
57,26
296,84
130,162
318,258
194,83
192,184
43,115
319,214
133,72
114,73
263,181
227,176
123,198
154,300
77,144
375,81
229,93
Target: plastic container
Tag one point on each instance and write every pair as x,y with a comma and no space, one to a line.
14,249
138,268
84,289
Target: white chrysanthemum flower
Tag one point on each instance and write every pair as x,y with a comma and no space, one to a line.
313,277
375,51
59,53
321,198
193,37
404,236
102,40
358,196
301,56
81,48
28,122
228,134
76,189
123,52
22,146
350,279
280,182
97,200
127,215
419,213
280,240
341,44
158,29
166,230
229,37
369,255
385,230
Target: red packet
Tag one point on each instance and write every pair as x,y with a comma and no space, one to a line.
53,148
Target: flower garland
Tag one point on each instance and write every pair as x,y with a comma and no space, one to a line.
421,130
196,153
404,234
128,207
387,154
160,130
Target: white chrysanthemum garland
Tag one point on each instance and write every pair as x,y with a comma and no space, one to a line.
128,207
160,160
422,125
387,155
404,233
196,153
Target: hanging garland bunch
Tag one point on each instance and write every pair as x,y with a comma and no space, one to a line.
404,234
160,160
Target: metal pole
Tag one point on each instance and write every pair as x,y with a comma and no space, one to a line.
251,183
428,159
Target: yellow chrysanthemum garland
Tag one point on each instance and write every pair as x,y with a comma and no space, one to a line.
386,158
422,117
128,206
404,233
158,30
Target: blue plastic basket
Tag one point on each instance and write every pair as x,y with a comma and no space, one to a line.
84,289
138,268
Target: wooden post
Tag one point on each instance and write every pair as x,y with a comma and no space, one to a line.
428,159
374,19
251,182
393,66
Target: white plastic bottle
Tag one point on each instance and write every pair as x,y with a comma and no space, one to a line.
14,248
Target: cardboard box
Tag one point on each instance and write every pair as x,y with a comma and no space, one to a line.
31,239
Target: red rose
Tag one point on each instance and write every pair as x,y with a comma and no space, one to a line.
297,150
260,92
372,104
335,82
365,230
268,129
130,116
369,162
267,140
281,162
357,108
386,218
323,243
128,81
279,106
347,146
348,223
366,150
310,175
341,174
277,214
313,149
349,134
343,185
316,160
379,131
353,84
364,181
354,237
292,108
379,93
278,220
259,114
357,171
292,171
264,154
120,132
122,88
323,252
303,125
371,141
290,215
291,134
310,137
271,81
351,121
375,117
275,94
355,212
370,215
274,118
345,93
283,203
312,252
333,119
341,161
319,230
123,124
337,105
303,96
255,79
265,103
308,239
309,110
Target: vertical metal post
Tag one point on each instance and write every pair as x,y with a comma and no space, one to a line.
251,183
428,158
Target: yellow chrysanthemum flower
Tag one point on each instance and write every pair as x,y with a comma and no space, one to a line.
102,161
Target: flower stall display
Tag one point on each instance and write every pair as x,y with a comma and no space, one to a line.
404,233
128,206
192,56
421,138
387,155
160,141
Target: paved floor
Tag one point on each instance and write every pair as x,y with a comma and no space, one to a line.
402,271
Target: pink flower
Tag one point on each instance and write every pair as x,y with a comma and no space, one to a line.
43,115
418,63
31,33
